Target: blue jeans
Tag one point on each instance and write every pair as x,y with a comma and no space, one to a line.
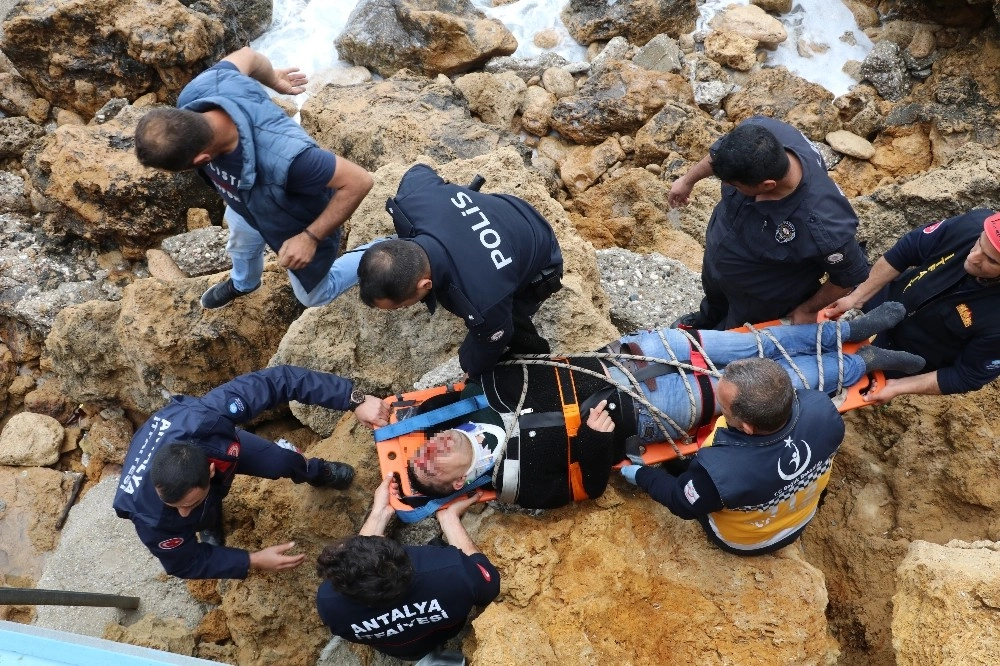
671,397
246,248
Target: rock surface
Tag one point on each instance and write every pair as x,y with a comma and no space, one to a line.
427,36
30,440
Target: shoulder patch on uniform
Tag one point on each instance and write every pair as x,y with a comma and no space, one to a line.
233,450
835,258
496,337
994,364
930,228
236,405
785,232
170,544
690,494
486,574
965,314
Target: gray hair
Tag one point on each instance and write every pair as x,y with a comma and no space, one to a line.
764,393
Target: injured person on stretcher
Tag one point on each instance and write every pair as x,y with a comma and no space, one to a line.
580,415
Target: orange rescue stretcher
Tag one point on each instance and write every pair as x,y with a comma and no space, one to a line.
395,452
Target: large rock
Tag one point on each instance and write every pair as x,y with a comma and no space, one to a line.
79,55
623,567
619,99
494,98
677,129
427,36
944,609
630,210
884,68
399,119
378,346
30,440
780,94
89,184
874,510
647,291
158,340
968,182
751,22
32,499
636,20
16,134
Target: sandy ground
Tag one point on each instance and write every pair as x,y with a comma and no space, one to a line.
99,552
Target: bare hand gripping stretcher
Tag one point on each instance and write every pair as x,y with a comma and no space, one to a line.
410,426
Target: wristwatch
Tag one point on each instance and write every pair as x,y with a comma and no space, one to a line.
357,399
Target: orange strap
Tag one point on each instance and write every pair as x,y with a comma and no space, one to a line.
571,415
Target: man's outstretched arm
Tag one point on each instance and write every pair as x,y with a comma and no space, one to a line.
287,81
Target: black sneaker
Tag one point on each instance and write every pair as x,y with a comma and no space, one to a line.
335,475
222,294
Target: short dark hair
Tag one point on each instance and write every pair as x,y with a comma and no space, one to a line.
749,155
432,489
390,270
372,570
764,393
176,468
170,139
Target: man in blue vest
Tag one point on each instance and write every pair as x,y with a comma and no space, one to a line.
280,188
947,274
757,484
491,259
182,462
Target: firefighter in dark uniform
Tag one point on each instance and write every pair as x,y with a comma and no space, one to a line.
405,601
491,259
197,438
757,483
780,225
947,274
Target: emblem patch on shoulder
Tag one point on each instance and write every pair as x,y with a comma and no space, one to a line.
929,229
835,258
690,494
496,336
236,406
785,232
965,314
994,364
486,574
233,450
170,544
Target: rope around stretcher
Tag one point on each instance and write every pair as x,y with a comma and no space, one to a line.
660,418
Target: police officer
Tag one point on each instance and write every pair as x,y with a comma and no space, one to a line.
947,274
757,485
491,259
780,225
181,463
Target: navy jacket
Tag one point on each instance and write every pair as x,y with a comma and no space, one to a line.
764,258
754,494
270,141
210,422
952,320
484,250
446,585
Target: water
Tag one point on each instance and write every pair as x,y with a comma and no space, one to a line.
303,31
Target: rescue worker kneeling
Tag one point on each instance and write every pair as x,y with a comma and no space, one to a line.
577,420
756,484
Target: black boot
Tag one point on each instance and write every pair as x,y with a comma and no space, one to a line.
336,475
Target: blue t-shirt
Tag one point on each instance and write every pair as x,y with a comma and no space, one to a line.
309,174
